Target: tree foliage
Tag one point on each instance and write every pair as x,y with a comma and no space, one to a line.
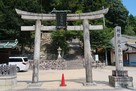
100,39
10,22
117,14
60,39
130,28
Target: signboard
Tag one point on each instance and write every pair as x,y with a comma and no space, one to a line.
96,57
61,18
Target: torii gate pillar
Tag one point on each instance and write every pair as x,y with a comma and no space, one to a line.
37,43
87,54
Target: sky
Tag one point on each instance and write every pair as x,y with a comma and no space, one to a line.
131,6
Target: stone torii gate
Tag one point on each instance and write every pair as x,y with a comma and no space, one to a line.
38,27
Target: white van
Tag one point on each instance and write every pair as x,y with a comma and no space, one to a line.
22,63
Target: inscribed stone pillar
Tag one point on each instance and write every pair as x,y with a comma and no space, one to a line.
119,77
37,42
87,52
118,49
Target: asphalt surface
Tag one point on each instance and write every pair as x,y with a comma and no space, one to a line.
38,89
49,80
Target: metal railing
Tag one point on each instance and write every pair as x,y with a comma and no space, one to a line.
7,70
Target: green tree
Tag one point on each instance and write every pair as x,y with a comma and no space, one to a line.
72,5
60,39
10,22
94,5
117,14
90,5
101,39
130,28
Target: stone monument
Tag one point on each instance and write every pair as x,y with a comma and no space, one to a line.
119,76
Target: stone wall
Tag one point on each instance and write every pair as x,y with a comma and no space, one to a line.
51,64
46,37
45,43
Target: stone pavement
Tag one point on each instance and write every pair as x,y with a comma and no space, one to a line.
50,80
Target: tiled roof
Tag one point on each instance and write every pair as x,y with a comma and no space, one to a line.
8,43
132,45
126,40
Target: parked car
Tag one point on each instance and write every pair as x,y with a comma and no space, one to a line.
22,63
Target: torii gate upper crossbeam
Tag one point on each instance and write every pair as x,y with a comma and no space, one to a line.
70,17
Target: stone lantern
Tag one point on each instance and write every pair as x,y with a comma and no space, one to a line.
59,52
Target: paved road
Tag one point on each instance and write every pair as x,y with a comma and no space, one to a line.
38,89
50,80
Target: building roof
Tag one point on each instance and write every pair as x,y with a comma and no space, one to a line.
8,43
123,42
126,41
131,45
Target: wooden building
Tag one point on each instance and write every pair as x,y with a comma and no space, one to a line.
5,49
128,44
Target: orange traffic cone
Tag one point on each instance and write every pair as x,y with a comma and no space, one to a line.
62,81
